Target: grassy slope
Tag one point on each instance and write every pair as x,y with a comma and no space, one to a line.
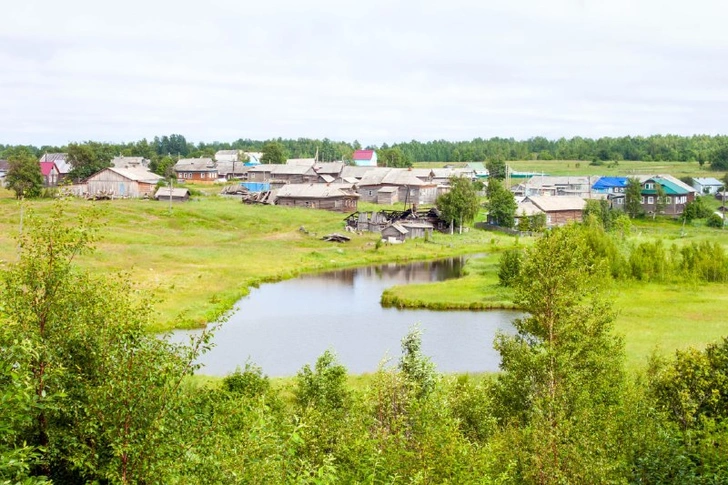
199,260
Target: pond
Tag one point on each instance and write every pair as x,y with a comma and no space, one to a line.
283,326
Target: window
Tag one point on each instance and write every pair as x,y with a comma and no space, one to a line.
649,186
642,200
668,200
371,193
650,200
620,201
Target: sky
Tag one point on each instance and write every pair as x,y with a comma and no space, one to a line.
374,71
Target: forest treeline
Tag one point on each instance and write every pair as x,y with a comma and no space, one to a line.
700,148
87,396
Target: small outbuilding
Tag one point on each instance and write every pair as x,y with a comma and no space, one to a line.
176,194
394,233
115,182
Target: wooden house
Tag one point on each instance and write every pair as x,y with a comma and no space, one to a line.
177,194
329,170
229,170
707,185
196,170
4,167
404,229
559,210
294,174
365,158
129,162
63,165
394,233
558,186
122,182
677,194
388,195
410,189
50,174
333,197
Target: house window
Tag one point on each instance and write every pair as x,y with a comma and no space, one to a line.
620,201
371,193
642,200
650,200
649,186
668,199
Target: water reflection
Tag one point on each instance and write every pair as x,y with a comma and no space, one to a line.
282,326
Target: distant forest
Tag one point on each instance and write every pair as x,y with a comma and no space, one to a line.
697,148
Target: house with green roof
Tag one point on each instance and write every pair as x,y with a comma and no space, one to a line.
675,192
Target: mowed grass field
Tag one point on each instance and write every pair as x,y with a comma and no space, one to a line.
582,168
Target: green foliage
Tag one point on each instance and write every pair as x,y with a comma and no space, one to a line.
696,209
249,382
509,267
633,198
715,220
496,169
273,152
418,370
24,176
461,203
720,158
501,204
88,158
162,166
599,211
324,385
393,157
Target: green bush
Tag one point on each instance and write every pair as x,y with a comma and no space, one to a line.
714,221
509,267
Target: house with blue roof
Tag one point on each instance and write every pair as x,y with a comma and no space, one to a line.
610,185
707,185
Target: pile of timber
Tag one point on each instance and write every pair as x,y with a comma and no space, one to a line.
363,221
335,237
259,198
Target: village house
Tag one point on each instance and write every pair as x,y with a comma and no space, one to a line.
478,169
62,164
229,170
557,186
365,158
229,156
404,229
610,185
50,174
410,189
129,162
677,194
196,170
526,209
707,185
176,194
559,210
333,197
329,172
4,167
122,182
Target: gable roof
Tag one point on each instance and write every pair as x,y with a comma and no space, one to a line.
301,161
557,203
549,180
134,174
61,159
708,181
46,167
195,165
123,162
363,155
315,191
329,168
392,176
528,208
176,192
608,182
356,171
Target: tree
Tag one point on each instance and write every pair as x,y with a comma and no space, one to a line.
393,157
720,159
633,198
273,152
561,373
660,200
501,204
496,169
88,158
24,176
461,203
105,389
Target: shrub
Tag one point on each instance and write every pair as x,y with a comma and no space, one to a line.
510,267
714,221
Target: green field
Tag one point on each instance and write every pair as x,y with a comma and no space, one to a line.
582,167
196,261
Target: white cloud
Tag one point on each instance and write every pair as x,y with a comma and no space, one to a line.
375,71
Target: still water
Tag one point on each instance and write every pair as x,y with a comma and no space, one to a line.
283,326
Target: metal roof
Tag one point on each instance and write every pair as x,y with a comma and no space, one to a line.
315,191
557,203
363,155
195,165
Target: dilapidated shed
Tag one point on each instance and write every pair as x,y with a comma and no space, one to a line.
177,194
333,197
394,233
115,182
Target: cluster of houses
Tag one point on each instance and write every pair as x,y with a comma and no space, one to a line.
562,199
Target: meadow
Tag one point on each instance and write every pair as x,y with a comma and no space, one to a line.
195,261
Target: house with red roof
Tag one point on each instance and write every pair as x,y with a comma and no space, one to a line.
50,173
365,158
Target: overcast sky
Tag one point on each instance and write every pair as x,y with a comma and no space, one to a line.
376,71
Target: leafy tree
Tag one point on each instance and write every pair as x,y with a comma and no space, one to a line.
720,158
24,176
163,166
561,373
660,200
393,157
633,198
461,203
496,169
106,391
696,209
88,158
273,152
537,222
714,221
599,211
501,204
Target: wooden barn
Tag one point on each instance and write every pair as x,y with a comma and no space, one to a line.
402,230
333,197
176,194
122,182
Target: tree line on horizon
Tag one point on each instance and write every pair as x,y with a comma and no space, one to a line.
703,149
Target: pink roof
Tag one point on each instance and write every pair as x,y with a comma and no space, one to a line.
46,167
363,154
